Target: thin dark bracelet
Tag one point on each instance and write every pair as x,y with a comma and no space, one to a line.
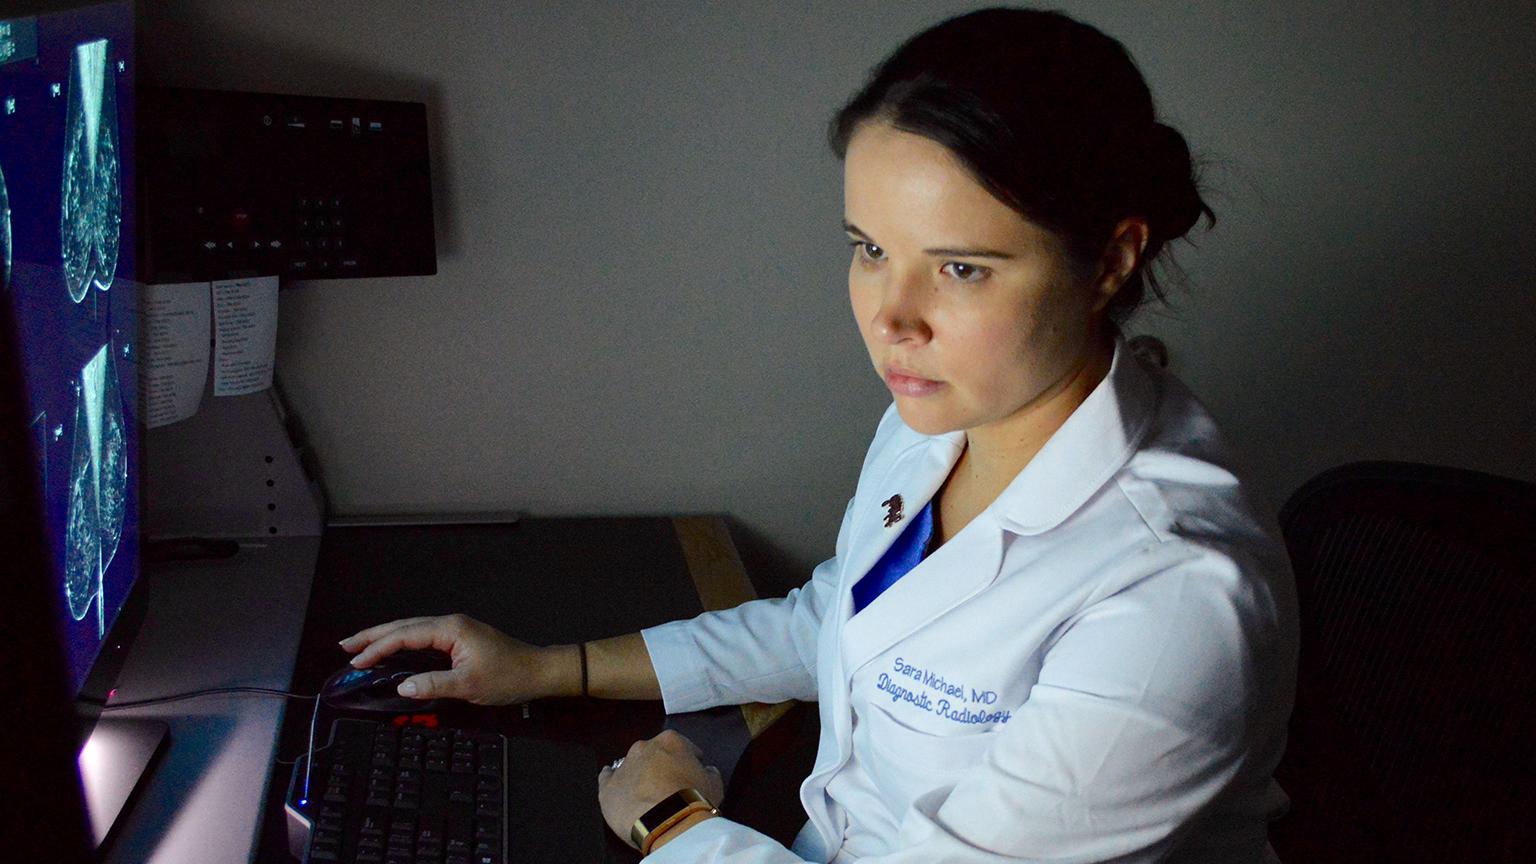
583,647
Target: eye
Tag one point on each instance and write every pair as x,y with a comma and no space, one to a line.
862,248
961,270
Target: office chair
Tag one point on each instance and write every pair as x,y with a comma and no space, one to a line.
1412,737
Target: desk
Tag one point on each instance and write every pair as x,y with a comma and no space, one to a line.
542,580
210,624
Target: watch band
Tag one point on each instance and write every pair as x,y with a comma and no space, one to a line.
668,812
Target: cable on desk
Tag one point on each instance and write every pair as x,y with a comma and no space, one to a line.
309,756
260,691
160,700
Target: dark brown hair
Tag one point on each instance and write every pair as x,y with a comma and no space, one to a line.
1054,119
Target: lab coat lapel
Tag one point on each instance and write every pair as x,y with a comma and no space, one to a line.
956,571
915,474
936,584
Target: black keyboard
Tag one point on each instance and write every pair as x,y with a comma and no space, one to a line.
386,794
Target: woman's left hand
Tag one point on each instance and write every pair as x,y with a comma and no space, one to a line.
651,771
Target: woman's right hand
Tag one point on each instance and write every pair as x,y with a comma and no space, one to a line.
489,667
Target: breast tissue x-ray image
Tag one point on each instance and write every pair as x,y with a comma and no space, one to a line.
67,268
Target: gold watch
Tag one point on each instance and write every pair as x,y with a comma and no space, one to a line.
673,809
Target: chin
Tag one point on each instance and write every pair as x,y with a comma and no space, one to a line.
924,422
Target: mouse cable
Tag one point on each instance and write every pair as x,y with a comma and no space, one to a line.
261,691
309,756
160,700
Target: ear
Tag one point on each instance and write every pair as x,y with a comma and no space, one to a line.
1121,256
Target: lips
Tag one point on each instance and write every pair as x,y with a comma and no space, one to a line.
903,381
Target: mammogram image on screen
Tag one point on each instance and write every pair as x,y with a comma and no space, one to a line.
98,485
5,234
91,216
68,278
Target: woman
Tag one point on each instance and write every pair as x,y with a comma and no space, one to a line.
1054,628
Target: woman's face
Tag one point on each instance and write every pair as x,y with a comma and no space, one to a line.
956,290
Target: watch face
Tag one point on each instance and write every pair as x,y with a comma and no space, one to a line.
669,811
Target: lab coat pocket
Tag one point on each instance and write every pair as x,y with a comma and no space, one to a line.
904,762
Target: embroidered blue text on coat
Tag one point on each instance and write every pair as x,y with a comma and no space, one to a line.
955,702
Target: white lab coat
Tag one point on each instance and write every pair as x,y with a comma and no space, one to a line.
1096,668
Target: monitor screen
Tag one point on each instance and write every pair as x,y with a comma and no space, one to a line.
67,269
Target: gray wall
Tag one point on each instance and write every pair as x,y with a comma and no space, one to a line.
641,304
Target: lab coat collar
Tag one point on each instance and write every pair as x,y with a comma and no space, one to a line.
1094,443
1090,447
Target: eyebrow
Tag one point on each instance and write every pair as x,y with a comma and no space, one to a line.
957,253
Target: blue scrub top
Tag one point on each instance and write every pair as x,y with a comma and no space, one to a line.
910,548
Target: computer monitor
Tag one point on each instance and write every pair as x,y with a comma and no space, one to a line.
67,268
42,759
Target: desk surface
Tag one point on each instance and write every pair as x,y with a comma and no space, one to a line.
211,624
545,581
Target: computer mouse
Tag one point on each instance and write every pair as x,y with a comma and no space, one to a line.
373,689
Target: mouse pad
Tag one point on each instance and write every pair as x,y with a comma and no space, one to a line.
550,817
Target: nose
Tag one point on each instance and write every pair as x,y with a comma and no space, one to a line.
902,313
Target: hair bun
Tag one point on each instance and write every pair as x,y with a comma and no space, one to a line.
1171,195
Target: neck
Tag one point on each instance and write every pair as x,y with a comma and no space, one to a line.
995,453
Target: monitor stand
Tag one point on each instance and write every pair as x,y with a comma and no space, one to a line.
116,756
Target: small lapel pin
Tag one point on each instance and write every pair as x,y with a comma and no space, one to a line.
892,510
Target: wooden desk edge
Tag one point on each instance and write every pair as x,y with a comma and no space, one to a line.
721,582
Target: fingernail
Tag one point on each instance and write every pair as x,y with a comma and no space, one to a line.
355,660
408,688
